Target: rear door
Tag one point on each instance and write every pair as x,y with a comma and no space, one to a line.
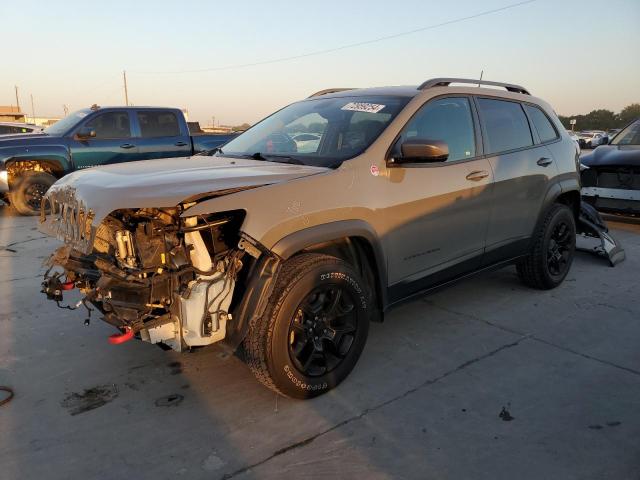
161,134
522,168
113,142
438,212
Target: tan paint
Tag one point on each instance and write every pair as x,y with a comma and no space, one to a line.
426,217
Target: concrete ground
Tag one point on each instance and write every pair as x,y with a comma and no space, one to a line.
425,400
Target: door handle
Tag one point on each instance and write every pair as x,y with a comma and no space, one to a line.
477,175
544,162
127,145
180,144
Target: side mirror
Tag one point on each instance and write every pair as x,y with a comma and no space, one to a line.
421,150
85,133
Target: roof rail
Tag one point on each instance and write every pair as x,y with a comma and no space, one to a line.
444,82
329,90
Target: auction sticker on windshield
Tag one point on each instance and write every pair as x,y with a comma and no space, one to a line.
363,107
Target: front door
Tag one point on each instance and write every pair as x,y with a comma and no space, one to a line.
438,212
113,142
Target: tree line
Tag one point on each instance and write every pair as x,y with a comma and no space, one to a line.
603,119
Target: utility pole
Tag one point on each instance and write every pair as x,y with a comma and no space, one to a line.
126,93
65,107
213,121
33,110
17,99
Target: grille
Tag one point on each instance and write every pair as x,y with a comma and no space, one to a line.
68,220
622,177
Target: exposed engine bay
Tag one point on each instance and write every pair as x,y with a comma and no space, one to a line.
155,275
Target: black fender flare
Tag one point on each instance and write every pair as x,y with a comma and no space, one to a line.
265,271
327,232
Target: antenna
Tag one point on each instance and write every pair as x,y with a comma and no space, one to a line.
480,81
126,92
33,110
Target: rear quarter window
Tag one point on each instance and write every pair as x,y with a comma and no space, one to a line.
542,124
505,124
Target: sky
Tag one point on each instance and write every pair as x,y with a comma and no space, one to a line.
577,55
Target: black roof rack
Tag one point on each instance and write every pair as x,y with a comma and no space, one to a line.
329,90
444,82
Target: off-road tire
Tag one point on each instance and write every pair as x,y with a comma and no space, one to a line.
534,269
267,344
20,192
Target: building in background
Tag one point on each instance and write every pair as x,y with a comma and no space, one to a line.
43,121
12,114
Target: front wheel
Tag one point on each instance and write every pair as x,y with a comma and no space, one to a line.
552,250
314,329
29,191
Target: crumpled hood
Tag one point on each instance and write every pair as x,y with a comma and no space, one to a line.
613,156
167,182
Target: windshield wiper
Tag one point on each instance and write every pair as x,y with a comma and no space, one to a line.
276,158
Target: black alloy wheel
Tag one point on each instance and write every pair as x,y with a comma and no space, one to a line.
322,331
559,249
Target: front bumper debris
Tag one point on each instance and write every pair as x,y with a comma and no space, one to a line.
68,220
590,224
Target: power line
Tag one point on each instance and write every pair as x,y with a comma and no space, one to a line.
347,46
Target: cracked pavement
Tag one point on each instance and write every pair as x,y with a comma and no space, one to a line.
423,402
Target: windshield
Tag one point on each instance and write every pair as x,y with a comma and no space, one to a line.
319,132
63,126
629,136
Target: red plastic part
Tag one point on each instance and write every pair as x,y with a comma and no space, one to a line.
68,286
117,339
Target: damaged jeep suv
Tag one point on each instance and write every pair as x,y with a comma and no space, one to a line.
292,237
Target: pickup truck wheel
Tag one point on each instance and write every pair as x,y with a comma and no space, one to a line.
28,192
314,329
552,250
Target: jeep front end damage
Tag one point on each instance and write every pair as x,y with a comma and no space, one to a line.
153,274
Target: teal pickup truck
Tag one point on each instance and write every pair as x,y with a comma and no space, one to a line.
30,164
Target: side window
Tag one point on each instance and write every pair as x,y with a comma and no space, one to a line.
5,129
111,125
505,124
446,119
158,124
542,124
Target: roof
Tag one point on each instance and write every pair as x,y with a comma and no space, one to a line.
10,109
401,91
137,107
471,85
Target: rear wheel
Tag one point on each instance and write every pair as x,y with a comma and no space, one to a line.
552,250
29,190
314,329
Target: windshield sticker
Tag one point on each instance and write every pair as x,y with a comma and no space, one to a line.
363,107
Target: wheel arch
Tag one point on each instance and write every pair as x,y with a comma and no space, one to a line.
355,241
571,199
54,163
355,236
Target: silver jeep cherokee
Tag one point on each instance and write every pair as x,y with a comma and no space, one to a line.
318,219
